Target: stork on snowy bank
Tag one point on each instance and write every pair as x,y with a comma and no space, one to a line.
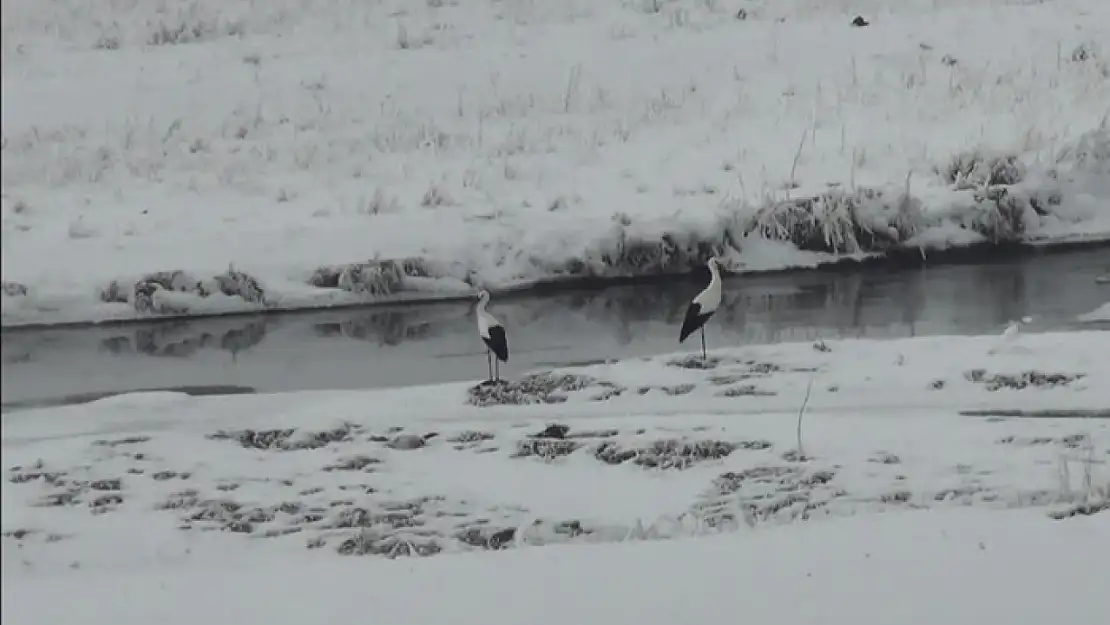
493,335
703,306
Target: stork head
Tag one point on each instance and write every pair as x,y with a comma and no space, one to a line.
483,295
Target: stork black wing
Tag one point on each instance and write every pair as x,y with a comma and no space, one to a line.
694,320
497,343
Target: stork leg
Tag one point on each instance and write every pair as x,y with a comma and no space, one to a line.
489,363
703,354
496,370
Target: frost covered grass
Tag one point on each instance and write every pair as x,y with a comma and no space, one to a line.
186,158
948,440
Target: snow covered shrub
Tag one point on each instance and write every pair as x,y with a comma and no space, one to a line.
838,221
973,169
999,215
377,277
143,293
1090,154
233,283
668,254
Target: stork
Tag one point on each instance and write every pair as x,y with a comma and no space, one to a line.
703,306
493,335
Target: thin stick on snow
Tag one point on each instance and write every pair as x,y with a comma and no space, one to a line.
801,413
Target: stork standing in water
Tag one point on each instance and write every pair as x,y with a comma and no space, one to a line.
493,335
703,306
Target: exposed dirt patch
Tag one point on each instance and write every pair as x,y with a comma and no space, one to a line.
540,388
1018,381
884,457
288,439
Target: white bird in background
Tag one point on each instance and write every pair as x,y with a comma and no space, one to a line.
493,335
1010,335
703,306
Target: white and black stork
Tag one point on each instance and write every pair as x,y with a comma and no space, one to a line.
493,335
703,306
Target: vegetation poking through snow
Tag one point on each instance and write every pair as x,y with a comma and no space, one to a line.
973,170
839,222
665,453
1018,381
539,388
376,277
288,439
996,199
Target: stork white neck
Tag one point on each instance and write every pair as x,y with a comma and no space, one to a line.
483,299
714,273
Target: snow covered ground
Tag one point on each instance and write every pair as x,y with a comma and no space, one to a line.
921,568
334,152
921,490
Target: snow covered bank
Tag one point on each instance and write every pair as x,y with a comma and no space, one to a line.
136,509
919,568
147,149
639,450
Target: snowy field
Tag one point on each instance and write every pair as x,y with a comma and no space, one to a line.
296,153
933,480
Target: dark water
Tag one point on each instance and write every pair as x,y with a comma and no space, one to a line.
436,343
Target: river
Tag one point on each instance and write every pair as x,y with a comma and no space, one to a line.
421,344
